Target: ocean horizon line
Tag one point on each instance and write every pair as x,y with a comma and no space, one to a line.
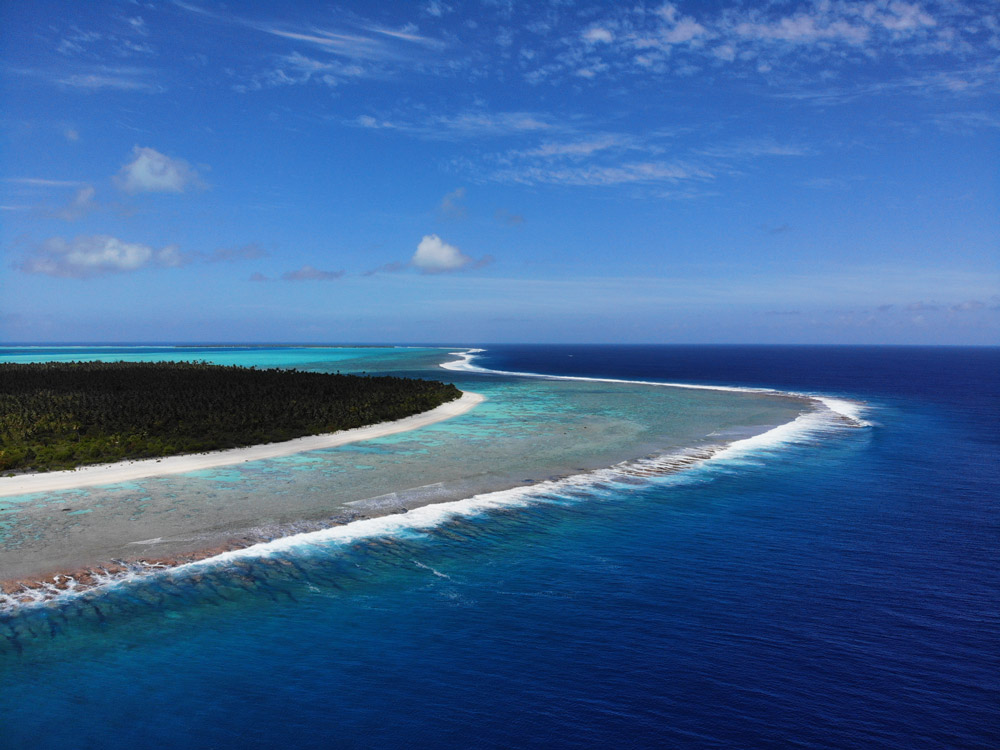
447,344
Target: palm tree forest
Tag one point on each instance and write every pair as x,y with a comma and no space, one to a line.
59,415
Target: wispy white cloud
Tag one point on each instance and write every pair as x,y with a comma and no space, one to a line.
153,172
86,256
726,52
463,125
121,37
962,82
579,147
932,306
779,229
803,28
897,16
598,34
686,193
508,218
643,172
372,123
296,68
610,159
965,123
137,24
758,39
674,28
830,183
394,267
876,27
408,34
555,43
42,182
75,41
436,8
364,41
752,148
81,204
970,305
309,273
139,80
452,205
352,46
253,251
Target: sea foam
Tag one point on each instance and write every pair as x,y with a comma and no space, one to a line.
828,415
851,411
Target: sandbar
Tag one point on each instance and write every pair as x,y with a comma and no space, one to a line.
127,471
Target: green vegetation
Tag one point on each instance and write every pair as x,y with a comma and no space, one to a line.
58,415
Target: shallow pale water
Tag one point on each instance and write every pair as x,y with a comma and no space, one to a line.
838,589
528,430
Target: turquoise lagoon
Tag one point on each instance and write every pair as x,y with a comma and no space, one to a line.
529,430
817,586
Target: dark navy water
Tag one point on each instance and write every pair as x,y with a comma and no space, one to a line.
839,592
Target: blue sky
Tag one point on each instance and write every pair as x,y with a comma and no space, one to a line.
494,171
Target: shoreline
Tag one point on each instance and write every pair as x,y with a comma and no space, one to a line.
364,520
84,579
822,412
145,468
848,410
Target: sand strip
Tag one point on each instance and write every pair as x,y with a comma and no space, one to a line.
127,471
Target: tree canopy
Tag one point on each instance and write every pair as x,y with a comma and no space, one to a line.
58,415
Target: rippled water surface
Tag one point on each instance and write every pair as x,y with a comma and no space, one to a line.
836,589
528,430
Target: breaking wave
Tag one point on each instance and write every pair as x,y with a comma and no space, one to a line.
850,411
826,416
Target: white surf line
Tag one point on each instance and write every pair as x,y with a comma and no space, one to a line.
435,514
126,471
432,515
849,410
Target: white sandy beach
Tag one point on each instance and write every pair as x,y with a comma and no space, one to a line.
125,471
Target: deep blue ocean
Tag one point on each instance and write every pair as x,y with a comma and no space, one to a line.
840,592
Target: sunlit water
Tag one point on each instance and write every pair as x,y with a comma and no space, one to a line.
835,589
528,430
